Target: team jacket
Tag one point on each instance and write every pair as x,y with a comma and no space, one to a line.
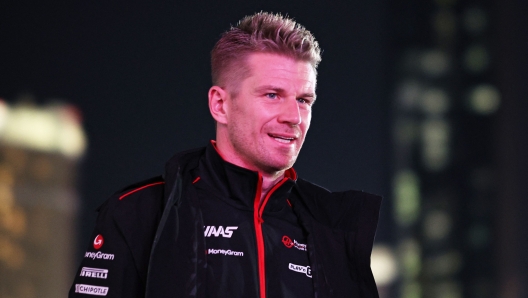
201,231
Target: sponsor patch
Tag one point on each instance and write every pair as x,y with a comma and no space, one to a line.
289,243
98,255
226,252
98,242
301,269
91,290
226,232
94,272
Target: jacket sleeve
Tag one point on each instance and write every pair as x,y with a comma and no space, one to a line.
107,268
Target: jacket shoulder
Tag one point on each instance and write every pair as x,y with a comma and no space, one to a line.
343,210
151,188
135,211
309,186
127,222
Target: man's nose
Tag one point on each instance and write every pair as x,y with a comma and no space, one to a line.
290,112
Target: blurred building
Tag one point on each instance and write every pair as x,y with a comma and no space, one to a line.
443,111
40,147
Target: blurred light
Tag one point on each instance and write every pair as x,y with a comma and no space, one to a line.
444,22
4,112
16,160
11,254
479,236
71,140
42,169
409,94
410,254
437,225
43,129
6,196
405,131
38,148
26,289
447,289
435,143
435,101
30,128
435,63
475,20
383,264
40,229
443,265
407,197
411,290
476,59
15,222
6,176
484,99
411,60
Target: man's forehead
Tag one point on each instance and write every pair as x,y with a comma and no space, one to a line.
277,68
275,59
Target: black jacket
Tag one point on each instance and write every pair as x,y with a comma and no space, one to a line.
149,238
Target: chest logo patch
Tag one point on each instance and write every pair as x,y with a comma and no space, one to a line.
226,232
98,242
301,269
94,272
289,243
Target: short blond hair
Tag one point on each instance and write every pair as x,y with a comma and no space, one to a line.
260,33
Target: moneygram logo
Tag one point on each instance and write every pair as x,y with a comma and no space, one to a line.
301,269
98,255
213,231
91,290
94,272
98,242
225,252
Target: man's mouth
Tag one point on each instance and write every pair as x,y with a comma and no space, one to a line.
282,139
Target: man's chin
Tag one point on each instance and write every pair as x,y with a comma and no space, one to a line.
282,166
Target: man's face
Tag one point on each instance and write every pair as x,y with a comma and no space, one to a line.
268,120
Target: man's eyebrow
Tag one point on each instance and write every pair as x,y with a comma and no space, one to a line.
270,87
313,96
281,90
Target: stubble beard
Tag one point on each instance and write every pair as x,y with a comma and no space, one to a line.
259,156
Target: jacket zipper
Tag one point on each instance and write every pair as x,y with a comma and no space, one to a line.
257,220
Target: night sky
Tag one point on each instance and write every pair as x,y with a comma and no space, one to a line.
139,73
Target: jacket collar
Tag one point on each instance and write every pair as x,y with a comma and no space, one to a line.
238,184
182,162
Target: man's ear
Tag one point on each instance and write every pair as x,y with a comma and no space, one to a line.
217,104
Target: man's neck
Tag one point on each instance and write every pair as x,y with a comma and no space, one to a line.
268,181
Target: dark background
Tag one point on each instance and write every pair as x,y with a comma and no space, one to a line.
139,73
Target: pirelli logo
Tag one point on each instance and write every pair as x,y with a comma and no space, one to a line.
94,272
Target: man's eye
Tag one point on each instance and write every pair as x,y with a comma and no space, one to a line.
272,95
302,100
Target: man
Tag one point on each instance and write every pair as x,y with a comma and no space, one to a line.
233,219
